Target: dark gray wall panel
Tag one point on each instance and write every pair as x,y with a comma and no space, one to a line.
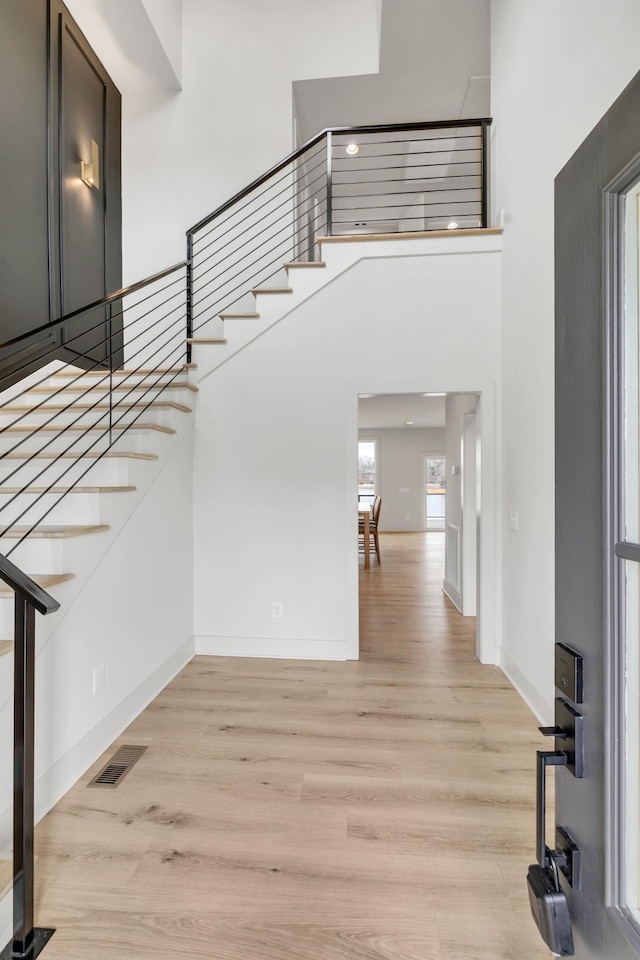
24,258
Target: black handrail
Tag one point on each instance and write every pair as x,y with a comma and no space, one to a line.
102,302
300,151
23,584
29,596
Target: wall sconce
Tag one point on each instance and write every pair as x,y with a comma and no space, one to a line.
90,171
351,149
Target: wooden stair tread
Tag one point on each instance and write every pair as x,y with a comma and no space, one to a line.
79,489
203,340
6,646
47,531
47,408
85,428
416,235
142,372
272,290
239,316
311,264
44,580
76,455
141,385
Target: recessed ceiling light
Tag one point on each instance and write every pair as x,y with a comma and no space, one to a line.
452,225
408,423
352,149
434,394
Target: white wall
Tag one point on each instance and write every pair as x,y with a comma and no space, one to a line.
556,68
185,152
276,464
129,608
456,406
401,454
166,17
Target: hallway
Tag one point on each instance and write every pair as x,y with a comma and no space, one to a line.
298,810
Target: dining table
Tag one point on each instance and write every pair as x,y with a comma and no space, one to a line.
364,510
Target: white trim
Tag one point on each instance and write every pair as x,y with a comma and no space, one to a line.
61,776
280,648
453,595
538,705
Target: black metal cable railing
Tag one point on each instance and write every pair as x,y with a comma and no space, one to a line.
391,179
72,414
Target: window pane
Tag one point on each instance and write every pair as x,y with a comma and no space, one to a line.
435,481
627,632
367,473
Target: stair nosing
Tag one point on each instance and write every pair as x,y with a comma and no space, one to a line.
82,388
44,580
143,372
52,531
311,264
415,235
60,407
239,316
76,428
271,290
6,491
77,455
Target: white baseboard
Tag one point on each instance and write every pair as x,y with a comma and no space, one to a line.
540,706
272,648
60,777
453,595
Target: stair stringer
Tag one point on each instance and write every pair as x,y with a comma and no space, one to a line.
339,256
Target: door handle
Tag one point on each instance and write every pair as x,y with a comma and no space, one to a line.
545,758
549,905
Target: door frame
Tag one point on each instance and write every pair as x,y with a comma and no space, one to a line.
586,302
615,665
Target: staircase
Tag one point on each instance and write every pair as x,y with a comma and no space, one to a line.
60,470
94,406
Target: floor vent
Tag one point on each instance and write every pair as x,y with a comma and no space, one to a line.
121,763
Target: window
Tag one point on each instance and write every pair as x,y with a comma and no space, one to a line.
367,470
435,482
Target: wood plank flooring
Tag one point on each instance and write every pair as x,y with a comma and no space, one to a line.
295,810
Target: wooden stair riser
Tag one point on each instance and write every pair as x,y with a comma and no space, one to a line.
18,447
25,428
106,472
70,508
43,556
43,409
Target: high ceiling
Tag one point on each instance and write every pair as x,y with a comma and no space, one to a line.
434,65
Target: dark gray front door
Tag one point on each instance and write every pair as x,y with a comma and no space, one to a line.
592,354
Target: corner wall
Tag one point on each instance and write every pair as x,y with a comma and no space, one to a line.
276,443
556,68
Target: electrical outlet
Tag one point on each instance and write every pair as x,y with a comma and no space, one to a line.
277,609
407,516
98,678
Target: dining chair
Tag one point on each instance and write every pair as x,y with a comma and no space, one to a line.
373,525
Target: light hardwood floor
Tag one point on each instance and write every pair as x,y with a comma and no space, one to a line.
289,810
